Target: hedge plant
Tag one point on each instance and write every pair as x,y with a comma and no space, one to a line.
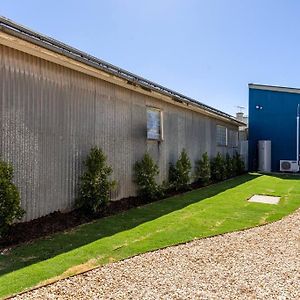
202,169
179,174
10,208
229,166
95,183
218,168
145,172
239,164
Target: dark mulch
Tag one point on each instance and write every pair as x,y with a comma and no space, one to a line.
58,221
54,222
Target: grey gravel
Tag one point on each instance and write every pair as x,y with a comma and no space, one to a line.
259,263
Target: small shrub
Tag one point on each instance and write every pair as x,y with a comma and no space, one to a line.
145,172
229,166
234,166
172,174
239,164
10,208
218,168
202,169
179,175
95,185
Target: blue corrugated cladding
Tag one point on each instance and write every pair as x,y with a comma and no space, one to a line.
272,116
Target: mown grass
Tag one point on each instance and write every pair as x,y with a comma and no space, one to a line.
200,213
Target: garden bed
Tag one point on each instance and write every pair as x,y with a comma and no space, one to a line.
57,221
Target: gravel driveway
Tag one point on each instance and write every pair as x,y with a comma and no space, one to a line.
259,263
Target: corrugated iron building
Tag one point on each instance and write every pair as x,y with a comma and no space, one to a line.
57,102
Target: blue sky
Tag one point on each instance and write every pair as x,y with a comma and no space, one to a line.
209,50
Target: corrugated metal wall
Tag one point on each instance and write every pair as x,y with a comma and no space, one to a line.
51,116
275,121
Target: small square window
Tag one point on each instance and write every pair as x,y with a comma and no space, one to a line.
154,124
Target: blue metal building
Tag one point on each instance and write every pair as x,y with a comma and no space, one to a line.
273,116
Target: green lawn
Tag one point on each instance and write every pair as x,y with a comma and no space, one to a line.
200,213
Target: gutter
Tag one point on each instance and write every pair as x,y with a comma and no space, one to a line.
19,31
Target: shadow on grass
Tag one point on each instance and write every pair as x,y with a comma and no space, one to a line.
289,176
39,250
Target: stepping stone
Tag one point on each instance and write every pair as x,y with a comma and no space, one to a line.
264,199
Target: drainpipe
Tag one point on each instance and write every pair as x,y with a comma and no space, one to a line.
298,113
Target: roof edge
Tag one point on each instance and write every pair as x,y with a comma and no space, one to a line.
274,88
10,27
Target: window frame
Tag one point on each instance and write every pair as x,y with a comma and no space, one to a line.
218,137
161,131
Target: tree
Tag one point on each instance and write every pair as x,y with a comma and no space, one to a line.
240,166
202,169
145,172
218,169
95,183
229,166
179,175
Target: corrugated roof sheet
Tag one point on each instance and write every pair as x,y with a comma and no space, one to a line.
20,31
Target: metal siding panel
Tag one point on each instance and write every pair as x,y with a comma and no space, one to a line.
21,142
276,121
123,149
51,116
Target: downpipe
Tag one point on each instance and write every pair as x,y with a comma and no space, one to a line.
298,114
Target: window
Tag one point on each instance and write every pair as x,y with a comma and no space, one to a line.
221,135
233,139
154,124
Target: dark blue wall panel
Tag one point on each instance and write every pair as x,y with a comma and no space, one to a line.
272,116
